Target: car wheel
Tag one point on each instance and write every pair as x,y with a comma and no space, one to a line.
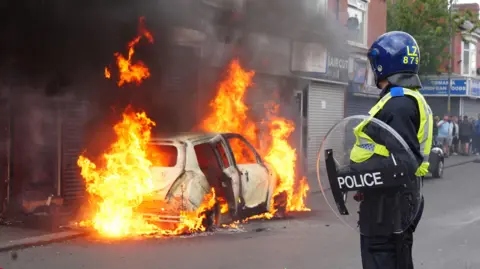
212,218
280,204
438,171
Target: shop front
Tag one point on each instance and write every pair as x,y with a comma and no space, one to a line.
43,138
471,105
435,90
325,75
360,96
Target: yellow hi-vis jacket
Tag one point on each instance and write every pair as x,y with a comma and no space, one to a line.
365,147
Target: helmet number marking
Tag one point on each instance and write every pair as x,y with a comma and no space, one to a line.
410,60
412,55
412,51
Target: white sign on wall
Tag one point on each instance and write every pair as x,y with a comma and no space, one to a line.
309,57
188,37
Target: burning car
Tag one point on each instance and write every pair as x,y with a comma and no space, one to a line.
189,165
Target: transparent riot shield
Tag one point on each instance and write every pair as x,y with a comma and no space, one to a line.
375,194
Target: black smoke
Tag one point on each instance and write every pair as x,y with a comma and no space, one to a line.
56,50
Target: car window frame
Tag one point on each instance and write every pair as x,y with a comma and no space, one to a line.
228,136
228,152
214,151
181,151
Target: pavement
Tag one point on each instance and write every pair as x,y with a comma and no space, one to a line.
13,238
448,237
459,160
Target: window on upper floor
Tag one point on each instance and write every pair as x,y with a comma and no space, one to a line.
469,59
357,21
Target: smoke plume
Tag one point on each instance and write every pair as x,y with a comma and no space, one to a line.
57,50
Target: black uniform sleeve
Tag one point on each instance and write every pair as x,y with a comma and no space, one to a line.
401,113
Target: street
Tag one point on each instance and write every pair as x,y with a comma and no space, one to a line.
448,237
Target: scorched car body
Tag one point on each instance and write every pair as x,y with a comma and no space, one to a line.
192,164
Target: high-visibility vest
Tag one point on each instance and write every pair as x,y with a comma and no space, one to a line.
365,147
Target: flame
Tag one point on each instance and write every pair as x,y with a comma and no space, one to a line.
283,157
124,180
107,73
132,72
194,221
121,181
229,114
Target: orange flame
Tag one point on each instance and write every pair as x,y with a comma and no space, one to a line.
107,73
132,72
124,179
283,157
229,114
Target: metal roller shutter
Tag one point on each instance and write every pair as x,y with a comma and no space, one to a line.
262,91
359,105
325,109
471,107
4,152
72,184
439,105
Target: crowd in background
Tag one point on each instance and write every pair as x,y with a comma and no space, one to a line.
457,135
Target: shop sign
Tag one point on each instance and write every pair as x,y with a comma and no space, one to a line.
314,61
309,57
438,87
475,88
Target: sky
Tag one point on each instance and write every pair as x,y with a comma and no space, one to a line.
468,1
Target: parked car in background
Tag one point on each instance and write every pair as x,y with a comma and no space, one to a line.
437,160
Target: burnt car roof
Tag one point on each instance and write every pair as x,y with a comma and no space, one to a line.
184,137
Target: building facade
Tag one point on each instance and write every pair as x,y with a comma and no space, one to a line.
362,93
465,79
345,85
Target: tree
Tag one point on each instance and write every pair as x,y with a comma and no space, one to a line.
428,22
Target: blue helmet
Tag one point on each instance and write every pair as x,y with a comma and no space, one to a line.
395,56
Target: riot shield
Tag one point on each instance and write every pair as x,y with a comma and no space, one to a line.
375,194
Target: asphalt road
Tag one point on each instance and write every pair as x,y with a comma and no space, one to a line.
447,237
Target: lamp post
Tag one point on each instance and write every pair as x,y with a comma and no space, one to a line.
450,60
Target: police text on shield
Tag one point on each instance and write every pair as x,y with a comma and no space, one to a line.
362,180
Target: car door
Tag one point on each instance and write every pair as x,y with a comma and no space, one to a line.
225,158
254,176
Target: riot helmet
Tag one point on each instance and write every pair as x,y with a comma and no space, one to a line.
395,57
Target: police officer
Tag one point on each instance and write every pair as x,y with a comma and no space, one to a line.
394,58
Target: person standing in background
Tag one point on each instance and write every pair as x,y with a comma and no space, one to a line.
444,131
476,137
454,137
465,134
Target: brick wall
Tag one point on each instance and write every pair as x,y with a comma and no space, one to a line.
377,16
377,20
457,44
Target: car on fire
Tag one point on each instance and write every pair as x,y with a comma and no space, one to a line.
191,164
